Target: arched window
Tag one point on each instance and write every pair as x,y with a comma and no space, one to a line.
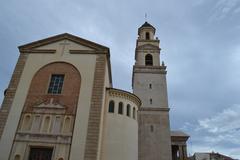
128,110
150,100
150,86
151,128
111,107
120,108
26,126
148,60
17,157
134,113
67,125
57,125
46,124
147,36
36,123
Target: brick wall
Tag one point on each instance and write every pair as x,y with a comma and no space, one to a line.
39,87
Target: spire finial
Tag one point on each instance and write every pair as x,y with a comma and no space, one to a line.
146,17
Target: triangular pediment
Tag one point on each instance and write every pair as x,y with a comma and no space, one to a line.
49,105
85,44
148,47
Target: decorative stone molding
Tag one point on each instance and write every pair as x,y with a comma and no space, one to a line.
50,51
150,69
124,94
50,105
43,138
148,47
60,37
88,52
155,109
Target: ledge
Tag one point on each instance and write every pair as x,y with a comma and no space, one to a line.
155,109
125,94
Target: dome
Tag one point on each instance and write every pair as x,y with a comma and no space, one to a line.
146,25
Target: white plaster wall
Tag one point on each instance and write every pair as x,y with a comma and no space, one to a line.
158,93
121,133
85,63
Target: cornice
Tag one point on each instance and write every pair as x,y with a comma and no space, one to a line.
154,109
47,51
148,47
89,52
124,94
63,36
150,69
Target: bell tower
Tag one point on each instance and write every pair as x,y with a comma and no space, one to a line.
149,84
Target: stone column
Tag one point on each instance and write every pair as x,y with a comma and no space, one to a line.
174,153
181,156
185,152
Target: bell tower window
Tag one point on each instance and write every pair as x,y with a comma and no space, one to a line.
147,36
148,60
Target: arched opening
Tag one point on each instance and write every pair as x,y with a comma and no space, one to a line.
36,123
17,157
151,128
120,108
150,101
148,60
57,125
111,107
26,123
134,113
57,76
46,124
128,110
147,36
5,92
67,123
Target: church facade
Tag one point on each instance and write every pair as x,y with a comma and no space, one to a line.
60,104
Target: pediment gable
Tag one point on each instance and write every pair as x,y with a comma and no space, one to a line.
39,45
49,105
148,47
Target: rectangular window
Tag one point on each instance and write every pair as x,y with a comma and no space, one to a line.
56,83
40,153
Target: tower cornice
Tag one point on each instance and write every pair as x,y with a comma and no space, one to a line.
149,69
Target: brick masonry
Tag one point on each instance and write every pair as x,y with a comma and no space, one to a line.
93,131
8,99
39,87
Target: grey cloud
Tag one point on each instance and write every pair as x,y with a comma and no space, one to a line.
218,132
199,41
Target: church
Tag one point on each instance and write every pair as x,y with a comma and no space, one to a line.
60,104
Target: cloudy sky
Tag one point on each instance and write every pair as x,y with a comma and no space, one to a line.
200,43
